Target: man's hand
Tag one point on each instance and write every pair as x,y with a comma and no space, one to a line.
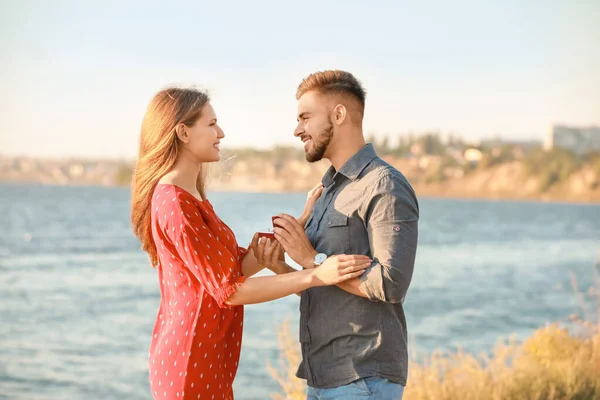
294,241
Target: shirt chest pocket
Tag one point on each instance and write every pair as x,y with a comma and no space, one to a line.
337,235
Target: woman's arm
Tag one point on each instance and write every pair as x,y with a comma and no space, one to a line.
334,270
250,264
270,254
218,269
266,288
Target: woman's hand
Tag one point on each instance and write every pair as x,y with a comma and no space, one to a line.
268,253
340,268
311,198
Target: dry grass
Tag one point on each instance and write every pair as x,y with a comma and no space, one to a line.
289,359
553,363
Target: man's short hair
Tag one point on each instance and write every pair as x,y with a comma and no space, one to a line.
333,82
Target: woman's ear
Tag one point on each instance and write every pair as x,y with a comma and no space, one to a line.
181,131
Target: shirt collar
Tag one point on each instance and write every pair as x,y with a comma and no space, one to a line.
353,167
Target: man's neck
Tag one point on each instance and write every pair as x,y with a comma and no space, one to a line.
345,151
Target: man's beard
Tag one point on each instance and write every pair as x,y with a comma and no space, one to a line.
320,144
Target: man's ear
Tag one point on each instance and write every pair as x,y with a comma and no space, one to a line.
339,115
181,132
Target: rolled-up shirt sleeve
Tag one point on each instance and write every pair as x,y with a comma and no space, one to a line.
392,216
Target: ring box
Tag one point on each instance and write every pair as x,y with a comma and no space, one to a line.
266,234
269,234
273,221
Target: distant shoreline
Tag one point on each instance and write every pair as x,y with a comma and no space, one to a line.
453,170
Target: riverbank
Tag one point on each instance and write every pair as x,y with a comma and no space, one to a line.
430,176
507,181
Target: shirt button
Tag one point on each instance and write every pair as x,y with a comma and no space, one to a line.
329,223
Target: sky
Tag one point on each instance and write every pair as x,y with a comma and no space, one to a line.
77,76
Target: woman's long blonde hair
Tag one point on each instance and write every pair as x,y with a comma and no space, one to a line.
159,149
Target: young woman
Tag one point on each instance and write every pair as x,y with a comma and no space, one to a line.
203,273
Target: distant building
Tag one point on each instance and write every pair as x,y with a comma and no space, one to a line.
473,155
578,140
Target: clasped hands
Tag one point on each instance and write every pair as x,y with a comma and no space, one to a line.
292,239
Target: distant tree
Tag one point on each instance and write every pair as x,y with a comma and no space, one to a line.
432,144
371,139
593,159
384,145
402,149
495,155
436,175
551,167
123,175
451,140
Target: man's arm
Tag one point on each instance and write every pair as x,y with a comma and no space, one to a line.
392,224
352,286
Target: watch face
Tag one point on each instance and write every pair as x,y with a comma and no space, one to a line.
320,258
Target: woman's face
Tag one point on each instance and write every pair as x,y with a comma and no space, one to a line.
204,136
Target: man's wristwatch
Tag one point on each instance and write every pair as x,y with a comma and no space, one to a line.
319,259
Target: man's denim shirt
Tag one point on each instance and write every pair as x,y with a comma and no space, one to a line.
367,207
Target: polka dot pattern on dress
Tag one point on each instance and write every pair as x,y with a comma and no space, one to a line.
197,273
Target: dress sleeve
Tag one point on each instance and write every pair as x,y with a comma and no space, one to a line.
210,261
242,251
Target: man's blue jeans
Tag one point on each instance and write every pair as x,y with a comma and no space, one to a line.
373,388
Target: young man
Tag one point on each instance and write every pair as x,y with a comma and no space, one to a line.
353,336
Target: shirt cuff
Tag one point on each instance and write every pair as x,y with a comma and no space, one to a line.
371,282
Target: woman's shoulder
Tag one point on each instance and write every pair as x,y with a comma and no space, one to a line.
175,206
169,188
172,196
